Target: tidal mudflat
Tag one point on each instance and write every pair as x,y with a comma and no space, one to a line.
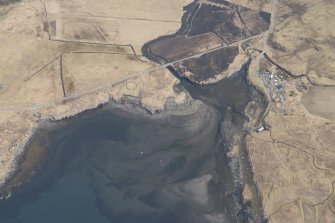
114,165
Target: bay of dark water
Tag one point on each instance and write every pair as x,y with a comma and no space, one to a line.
121,167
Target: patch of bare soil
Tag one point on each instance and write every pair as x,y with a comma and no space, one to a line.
320,101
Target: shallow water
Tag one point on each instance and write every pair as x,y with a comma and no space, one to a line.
115,166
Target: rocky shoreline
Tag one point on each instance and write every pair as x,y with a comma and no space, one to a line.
21,174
